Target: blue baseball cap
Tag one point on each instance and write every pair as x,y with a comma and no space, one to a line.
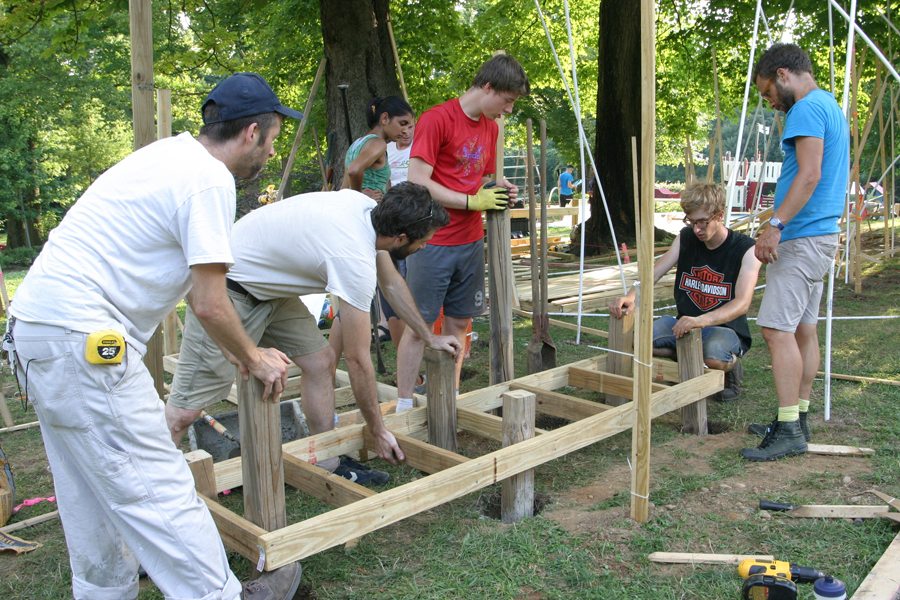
244,95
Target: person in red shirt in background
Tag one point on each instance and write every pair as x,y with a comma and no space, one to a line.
453,155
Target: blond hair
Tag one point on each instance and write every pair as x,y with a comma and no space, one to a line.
703,196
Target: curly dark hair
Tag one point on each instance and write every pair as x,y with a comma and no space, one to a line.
408,208
782,56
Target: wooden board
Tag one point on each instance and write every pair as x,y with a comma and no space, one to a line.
831,450
694,558
883,581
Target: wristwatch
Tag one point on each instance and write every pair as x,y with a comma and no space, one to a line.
776,222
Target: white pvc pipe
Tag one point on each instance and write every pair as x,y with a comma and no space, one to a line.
851,19
732,179
829,302
583,177
583,136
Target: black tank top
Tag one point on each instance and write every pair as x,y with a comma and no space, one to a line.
705,279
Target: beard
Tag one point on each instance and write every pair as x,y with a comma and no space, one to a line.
399,253
786,98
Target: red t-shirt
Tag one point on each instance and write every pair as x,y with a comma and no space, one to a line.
462,152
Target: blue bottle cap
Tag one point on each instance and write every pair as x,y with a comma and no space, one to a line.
829,587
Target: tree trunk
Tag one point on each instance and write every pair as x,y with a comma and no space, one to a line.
359,54
618,119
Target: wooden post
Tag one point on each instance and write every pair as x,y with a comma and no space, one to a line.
141,25
621,339
261,461
640,433
200,462
690,364
517,495
164,130
440,384
500,288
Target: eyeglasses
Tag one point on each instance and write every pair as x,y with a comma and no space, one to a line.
419,220
701,223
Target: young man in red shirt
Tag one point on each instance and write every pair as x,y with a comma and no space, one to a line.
453,155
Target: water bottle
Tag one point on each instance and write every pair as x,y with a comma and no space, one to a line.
829,588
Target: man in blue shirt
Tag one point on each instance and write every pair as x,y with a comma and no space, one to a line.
801,242
566,185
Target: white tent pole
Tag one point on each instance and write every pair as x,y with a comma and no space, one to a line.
831,47
583,135
583,178
829,302
732,179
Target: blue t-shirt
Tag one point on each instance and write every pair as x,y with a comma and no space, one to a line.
816,115
564,180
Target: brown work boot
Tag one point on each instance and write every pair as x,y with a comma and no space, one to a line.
280,584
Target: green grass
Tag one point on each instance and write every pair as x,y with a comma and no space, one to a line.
453,551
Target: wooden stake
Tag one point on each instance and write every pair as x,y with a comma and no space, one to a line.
535,364
640,433
440,383
21,427
690,364
200,462
306,111
390,29
500,284
517,496
171,323
548,348
693,558
29,522
261,461
620,362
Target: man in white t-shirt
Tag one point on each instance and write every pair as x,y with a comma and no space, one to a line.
309,244
149,230
398,156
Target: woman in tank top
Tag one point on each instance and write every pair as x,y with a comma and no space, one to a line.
366,167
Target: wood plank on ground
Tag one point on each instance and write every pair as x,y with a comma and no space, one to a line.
696,558
883,581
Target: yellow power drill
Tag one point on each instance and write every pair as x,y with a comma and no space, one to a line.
778,568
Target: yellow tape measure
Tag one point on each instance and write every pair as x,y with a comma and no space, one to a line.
105,347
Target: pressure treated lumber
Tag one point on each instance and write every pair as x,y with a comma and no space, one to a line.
606,383
21,427
500,280
440,382
517,491
29,522
695,558
564,324
331,489
832,450
883,581
621,339
261,456
321,532
200,462
562,406
421,455
837,511
689,348
238,534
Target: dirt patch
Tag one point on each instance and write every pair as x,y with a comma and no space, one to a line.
489,502
601,509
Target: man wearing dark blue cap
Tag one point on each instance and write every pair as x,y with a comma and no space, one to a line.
151,229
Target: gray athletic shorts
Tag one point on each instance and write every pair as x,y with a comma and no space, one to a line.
794,282
448,276
204,376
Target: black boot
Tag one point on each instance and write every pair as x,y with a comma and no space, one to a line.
763,430
785,439
733,380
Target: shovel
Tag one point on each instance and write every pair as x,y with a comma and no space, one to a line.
541,350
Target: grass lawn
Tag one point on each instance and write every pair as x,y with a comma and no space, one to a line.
582,544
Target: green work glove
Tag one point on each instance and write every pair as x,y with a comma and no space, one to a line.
489,197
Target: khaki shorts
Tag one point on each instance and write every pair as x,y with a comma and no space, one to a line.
204,376
794,282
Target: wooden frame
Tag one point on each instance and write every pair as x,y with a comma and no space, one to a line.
360,510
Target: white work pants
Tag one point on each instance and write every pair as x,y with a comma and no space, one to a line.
126,496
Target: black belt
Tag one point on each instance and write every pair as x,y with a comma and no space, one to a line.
234,286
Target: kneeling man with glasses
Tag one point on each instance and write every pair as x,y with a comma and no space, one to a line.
715,277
